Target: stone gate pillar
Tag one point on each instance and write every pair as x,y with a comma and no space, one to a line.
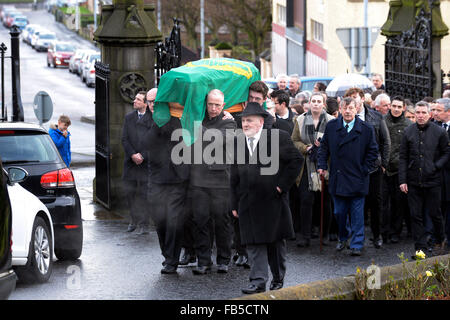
127,35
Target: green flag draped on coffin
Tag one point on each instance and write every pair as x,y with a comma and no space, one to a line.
182,91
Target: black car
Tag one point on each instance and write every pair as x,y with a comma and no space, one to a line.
30,147
7,275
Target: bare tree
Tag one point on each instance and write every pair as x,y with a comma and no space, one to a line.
254,17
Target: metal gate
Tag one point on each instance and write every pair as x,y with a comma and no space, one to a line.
168,53
17,108
408,63
102,147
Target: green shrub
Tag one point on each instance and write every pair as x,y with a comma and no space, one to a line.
223,46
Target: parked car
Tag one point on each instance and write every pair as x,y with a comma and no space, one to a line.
20,21
32,227
90,76
83,60
5,10
307,83
26,31
35,35
59,54
44,39
29,32
75,59
30,147
87,64
10,18
7,274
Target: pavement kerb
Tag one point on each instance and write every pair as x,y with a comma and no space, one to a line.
88,119
343,288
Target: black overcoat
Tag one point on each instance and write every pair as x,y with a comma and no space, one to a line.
264,214
133,135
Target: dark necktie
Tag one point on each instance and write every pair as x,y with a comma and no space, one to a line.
445,126
140,116
346,128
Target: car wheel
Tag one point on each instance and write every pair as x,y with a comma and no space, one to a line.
40,256
76,249
48,64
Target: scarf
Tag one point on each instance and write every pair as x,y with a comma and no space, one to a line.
309,134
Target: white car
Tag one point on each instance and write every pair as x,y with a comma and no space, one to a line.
32,232
90,76
43,40
25,32
86,64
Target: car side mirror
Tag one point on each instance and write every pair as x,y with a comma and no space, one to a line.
16,174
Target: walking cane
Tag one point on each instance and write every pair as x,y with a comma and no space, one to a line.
321,211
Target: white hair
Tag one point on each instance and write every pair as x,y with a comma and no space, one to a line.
295,76
446,94
382,96
281,76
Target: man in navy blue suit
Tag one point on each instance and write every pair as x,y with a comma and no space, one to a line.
350,145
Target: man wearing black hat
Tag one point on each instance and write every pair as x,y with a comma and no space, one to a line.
266,165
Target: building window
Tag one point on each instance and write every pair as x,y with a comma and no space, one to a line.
317,31
281,12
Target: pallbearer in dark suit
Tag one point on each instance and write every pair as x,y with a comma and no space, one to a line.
135,167
265,167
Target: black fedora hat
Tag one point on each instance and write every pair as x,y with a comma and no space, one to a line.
254,109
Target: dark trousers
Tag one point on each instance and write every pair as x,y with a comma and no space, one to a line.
136,195
263,255
374,201
394,206
168,204
211,206
424,201
188,230
238,246
310,203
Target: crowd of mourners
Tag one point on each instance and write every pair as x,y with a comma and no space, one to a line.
363,159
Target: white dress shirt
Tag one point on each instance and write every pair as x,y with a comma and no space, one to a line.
255,141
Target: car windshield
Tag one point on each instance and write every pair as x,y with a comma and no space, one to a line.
64,47
47,36
21,19
94,57
27,148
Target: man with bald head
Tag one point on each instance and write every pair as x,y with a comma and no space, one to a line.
150,97
209,188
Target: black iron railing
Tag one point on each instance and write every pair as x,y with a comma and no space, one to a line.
168,52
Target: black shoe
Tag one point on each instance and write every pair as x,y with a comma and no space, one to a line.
439,248
222,268
333,237
253,289
276,285
315,233
241,260
169,269
355,252
395,238
235,257
378,243
341,245
131,227
186,259
303,243
201,270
